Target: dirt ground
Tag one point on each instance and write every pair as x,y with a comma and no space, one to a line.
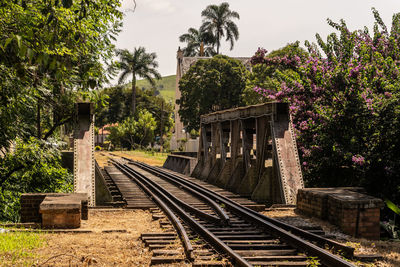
125,248
388,249
99,248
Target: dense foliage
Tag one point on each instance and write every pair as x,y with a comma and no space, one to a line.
119,109
210,85
133,133
49,50
34,166
345,103
51,54
270,75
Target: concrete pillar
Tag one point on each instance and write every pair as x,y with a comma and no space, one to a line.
261,143
247,142
214,142
235,141
221,143
84,168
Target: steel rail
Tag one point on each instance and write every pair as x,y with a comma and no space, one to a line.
208,235
221,213
199,213
174,220
270,224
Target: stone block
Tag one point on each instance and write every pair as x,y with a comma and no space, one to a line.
68,218
62,211
355,213
30,205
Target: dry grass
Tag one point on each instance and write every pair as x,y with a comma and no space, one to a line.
153,159
101,158
389,250
97,249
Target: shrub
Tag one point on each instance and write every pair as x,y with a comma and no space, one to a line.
345,107
34,166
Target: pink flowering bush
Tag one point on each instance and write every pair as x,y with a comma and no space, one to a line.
344,100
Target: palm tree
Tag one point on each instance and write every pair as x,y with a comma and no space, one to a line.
194,39
139,63
218,20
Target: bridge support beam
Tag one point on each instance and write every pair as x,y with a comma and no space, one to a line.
251,151
84,164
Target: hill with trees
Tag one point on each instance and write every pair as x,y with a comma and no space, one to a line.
164,86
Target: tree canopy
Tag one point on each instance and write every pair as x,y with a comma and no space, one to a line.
195,39
210,85
138,63
344,99
118,109
50,51
219,21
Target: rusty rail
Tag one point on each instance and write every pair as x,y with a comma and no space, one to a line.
281,230
208,235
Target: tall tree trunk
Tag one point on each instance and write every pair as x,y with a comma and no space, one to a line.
133,95
218,43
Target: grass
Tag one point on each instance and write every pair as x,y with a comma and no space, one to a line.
166,87
149,157
16,248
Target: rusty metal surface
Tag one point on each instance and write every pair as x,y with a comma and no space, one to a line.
254,111
286,155
289,234
84,164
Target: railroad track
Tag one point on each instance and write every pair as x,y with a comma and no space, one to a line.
244,236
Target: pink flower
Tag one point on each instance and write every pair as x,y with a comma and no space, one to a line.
388,95
358,160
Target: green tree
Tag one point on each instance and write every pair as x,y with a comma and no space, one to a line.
271,75
133,132
218,21
194,39
34,166
344,102
146,124
210,85
139,63
50,50
118,108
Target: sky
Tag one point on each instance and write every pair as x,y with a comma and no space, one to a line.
271,24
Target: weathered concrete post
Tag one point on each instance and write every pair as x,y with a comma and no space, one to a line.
235,142
261,143
84,165
247,142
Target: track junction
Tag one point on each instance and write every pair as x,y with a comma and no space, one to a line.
215,227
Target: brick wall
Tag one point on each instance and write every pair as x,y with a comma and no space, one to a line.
30,207
355,213
30,203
